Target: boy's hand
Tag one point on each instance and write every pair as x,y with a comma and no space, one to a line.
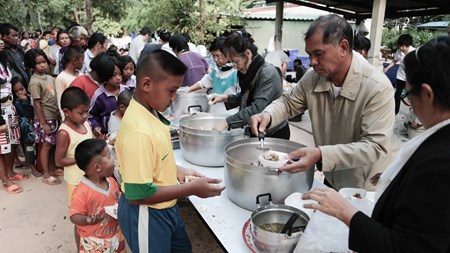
98,133
93,219
207,187
182,173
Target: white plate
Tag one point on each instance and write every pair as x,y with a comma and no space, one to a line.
273,164
350,193
112,210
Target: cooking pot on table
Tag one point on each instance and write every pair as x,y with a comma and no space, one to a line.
203,146
186,102
245,178
276,228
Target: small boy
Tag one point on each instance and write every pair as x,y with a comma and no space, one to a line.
404,43
123,100
95,199
74,129
73,59
148,216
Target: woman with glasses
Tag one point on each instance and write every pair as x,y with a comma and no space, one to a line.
412,211
259,81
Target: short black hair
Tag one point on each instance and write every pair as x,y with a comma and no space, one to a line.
405,39
145,30
6,27
362,43
335,28
164,35
72,52
103,65
96,38
30,57
124,60
178,43
158,63
217,44
87,150
73,97
124,97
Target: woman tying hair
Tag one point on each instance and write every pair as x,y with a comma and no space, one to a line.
412,212
259,81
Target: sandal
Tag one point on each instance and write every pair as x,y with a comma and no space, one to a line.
51,180
57,172
19,177
12,189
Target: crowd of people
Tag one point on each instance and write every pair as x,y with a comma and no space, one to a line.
74,106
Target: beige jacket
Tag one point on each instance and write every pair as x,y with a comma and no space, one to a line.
353,131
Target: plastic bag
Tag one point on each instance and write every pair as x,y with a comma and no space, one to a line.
324,233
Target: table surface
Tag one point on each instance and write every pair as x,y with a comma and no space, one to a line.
224,218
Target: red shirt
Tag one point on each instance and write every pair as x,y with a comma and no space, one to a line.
86,83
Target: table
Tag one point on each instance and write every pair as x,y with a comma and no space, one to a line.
224,218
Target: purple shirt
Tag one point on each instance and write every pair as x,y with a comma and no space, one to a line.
197,67
102,104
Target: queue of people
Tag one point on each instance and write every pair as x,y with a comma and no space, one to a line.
121,99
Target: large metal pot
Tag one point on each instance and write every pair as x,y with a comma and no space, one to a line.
245,179
187,101
203,146
268,222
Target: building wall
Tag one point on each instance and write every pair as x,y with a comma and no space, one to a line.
263,31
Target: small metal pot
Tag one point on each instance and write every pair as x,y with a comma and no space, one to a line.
186,102
203,146
267,223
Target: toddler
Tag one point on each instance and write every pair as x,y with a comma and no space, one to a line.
25,111
94,201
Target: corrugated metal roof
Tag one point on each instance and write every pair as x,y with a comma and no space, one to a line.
290,12
435,25
361,9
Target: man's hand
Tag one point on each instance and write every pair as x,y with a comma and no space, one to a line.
259,122
307,158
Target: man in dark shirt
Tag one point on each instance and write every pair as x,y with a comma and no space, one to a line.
14,52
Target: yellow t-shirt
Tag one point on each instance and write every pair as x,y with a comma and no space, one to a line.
144,154
73,174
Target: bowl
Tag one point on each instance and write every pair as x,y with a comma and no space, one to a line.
282,160
353,193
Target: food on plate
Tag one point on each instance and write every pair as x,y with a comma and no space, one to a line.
270,156
190,178
357,195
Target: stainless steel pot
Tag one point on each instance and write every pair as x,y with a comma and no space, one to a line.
268,221
200,144
187,101
245,179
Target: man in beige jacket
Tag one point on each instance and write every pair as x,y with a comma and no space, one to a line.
350,105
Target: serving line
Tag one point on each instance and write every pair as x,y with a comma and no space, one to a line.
224,218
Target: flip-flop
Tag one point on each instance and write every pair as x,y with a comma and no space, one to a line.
19,177
51,180
13,189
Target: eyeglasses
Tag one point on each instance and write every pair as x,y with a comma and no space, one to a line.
406,95
216,56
